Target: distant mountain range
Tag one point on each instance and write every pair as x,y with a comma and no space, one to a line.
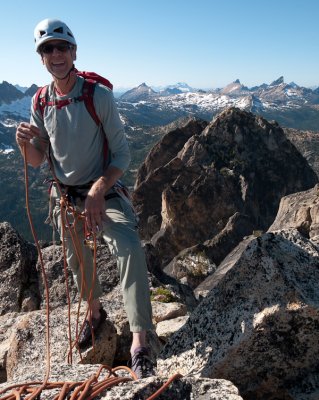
293,106
276,94
273,96
10,93
276,91
146,113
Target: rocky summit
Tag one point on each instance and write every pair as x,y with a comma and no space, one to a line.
229,216
199,181
258,325
24,327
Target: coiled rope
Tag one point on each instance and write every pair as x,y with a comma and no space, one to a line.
82,390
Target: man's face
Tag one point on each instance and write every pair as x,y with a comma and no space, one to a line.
58,57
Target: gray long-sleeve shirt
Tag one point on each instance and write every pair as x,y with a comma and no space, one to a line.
75,139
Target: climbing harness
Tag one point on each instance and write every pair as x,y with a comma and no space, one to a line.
83,390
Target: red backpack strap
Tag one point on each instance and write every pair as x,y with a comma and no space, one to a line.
88,97
94,77
40,99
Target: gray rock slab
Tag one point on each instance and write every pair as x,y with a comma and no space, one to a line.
258,326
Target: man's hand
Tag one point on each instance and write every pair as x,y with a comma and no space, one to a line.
25,132
95,203
95,209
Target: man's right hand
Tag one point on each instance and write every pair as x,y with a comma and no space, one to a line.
25,132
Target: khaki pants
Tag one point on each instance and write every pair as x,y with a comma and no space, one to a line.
120,233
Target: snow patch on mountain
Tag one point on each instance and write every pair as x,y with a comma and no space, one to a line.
203,101
19,108
291,92
6,149
182,86
9,123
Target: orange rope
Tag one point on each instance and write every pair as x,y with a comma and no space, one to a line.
165,386
41,262
67,287
84,390
66,209
88,389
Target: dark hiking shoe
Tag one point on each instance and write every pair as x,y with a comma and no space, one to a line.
86,335
141,363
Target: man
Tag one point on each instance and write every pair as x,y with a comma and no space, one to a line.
74,143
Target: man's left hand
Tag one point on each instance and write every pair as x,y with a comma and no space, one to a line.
95,202
95,209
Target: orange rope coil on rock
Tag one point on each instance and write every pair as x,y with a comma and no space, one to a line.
81,390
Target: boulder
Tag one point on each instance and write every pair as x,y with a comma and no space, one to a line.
28,342
8,323
211,281
237,168
114,307
167,311
166,328
193,265
258,326
300,211
19,285
180,291
52,256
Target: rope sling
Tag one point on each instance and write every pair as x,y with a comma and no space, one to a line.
90,388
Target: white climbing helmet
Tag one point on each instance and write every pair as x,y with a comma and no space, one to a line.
50,29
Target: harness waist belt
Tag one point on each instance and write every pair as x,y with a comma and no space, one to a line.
81,191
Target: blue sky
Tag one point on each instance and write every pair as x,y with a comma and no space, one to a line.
206,43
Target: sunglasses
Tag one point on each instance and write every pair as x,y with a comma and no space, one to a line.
49,48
